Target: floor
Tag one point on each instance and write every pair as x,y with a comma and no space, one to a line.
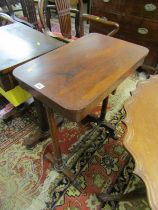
28,181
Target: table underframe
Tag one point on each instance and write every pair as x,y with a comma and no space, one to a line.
57,158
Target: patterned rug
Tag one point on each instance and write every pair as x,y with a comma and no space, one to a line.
28,181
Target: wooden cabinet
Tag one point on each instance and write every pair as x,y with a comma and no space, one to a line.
138,22
142,8
113,5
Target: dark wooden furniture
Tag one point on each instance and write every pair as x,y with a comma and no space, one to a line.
89,69
29,11
63,9
13,2
27,8
141,138
138,22
19,44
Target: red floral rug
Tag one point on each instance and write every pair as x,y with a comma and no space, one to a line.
29,182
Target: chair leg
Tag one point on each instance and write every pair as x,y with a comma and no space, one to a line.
48,17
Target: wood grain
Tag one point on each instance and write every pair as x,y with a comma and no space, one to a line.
81,74
20,43
141,138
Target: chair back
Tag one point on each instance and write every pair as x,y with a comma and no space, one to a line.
4,3
63,10
28,9
5,19
64,13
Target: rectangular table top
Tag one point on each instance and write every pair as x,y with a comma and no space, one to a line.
20,43
75,78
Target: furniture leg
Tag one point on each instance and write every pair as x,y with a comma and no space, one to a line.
53,132
103,109
48,17
57,159
42,116
89,7
43,131
101,120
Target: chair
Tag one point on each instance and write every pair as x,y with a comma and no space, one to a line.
27,8
64,13
3,2
5,19
29,11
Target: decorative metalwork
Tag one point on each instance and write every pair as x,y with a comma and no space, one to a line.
150,7
106,1
143,31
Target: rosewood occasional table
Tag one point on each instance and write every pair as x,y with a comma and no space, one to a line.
75,78
141,138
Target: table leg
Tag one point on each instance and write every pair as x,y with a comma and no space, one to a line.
57,158
43,131
42,116
103,109
101,120
53,132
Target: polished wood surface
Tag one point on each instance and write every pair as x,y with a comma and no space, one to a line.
75,78
138,22
141,139
19,43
